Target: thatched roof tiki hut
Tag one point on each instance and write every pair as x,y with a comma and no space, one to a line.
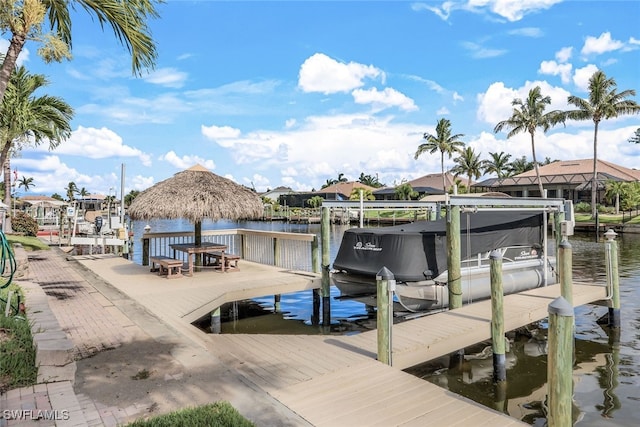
196,194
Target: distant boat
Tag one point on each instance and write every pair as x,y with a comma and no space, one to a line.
416,254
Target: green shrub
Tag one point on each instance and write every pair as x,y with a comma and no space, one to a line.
582,207
606,209
23,223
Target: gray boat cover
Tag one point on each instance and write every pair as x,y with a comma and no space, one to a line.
418,251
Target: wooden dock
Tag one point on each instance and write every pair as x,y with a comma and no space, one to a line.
333,380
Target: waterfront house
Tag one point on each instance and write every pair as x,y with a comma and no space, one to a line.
568,179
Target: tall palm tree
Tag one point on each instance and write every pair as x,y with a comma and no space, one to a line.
25,20
27,119
527,116
604,102
469,164
498,164
26,183
444,142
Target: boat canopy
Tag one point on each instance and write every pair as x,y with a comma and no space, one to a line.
418,251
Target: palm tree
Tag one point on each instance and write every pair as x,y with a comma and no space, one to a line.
132,195
366,194
499,164
519,166
26,183
604,102
443,142
614,190
371,181
529,115
636,137
27,119
72,190
83,192
341,178
25,21
405,191
469,164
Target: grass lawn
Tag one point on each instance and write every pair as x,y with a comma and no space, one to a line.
219,414
29,243
606,218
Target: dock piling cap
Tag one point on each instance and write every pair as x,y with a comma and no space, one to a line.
495,254
385,274
561,307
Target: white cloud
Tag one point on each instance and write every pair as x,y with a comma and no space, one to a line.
51,175
564,54
443,111
257,181
457,97
478,51
214,132
97,144
185,162
168,77
23,56
555,69
582,75
512,10
527,32
386,98
320,73
444,11
323,146
599,45
289,123
495,104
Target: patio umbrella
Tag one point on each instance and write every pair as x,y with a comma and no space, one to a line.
196,194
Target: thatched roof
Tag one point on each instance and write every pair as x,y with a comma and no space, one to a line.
196,194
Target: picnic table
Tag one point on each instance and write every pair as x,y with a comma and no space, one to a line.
193,250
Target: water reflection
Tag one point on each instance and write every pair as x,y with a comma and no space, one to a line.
607,363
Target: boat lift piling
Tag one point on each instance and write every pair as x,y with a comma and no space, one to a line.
325,290
497,318
560,363
386,285
565,264
611,262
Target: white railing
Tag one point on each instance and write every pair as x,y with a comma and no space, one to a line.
294,251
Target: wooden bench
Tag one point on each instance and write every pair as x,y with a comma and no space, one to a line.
170,267
223,260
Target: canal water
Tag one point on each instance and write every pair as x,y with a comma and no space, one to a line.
606,369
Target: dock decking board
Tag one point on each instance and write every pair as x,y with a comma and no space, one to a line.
334,380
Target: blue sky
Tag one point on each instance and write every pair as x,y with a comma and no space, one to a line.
295,92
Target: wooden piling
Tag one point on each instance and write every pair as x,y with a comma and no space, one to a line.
326,260
216,325
558,217
453,258
497,318
613,279
145,251
565,264
385,282
560,363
